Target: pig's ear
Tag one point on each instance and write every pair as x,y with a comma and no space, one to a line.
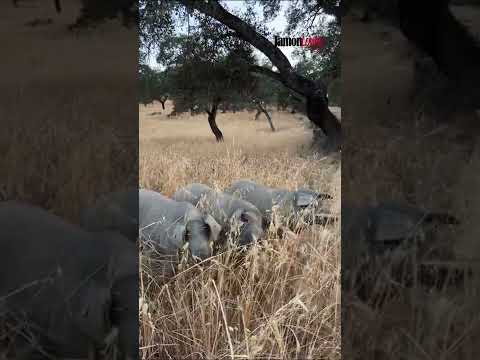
304,199
180,234
324,196
214,227
240,216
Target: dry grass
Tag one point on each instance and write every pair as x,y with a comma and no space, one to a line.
396,154
278,301
69,126
64,137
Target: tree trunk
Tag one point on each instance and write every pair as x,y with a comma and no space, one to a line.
259,112
318,111
212,115
162,100
433,28
262,109
270,122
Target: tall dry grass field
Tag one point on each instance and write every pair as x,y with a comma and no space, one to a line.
281,299
401,153
68,133
69,115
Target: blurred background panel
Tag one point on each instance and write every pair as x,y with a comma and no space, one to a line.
410,178
69,114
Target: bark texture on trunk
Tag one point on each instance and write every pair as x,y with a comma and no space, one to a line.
319,113
162,100
262,109
286,75
434,29
212,115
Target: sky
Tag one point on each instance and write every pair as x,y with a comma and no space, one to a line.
277,26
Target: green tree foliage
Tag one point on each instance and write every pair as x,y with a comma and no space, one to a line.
208,69
152,85
303,16
210,32
205,70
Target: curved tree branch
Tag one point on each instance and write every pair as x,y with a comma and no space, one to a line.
302,81
314,91
244,30
265,71
434,29
248,33
273,75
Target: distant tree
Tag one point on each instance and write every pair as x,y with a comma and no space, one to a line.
144,83
208,70
264,96
160,87
158,21
262,108
203,82
153,85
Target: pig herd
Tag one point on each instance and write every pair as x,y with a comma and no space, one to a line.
77,287
72,292
244,211
201,219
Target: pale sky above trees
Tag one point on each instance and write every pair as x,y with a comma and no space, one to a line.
277,27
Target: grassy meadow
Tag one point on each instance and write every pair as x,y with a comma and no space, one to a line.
281,300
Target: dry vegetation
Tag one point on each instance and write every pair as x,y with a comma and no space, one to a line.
411,158
69,126
278,301
64,137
